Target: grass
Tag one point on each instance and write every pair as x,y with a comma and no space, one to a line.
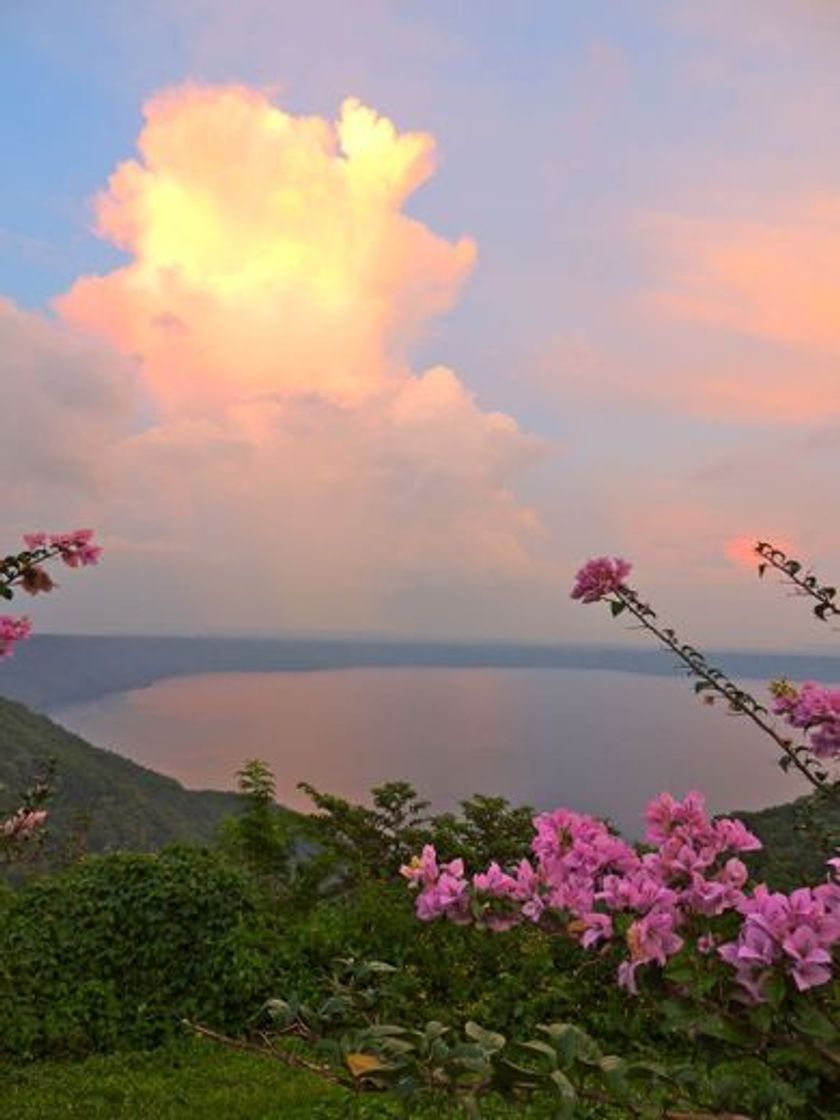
201,1081
191,1079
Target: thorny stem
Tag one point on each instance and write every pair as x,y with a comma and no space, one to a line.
715,681
807,584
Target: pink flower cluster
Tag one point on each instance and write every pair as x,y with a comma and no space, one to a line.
795,932
76,549
600,577
12,630
590,881
814,709
24,824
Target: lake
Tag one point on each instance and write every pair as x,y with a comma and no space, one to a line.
603,742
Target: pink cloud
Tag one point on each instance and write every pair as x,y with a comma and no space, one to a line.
274,289
776,279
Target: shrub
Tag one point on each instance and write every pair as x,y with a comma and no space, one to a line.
114,952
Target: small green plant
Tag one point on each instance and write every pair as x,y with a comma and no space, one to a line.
259,838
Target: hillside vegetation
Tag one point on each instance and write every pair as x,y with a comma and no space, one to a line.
119,805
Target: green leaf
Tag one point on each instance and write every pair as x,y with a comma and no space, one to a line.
386,1030
566,1090
811,1021
716,1026
537,1046
614,1071
616,606
487,1040
571,1043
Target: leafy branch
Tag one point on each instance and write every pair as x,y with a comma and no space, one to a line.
804,581
713,680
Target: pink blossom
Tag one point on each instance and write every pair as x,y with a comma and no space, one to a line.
795,933
599,577
76,548
814,709
597,927
23,824
494,882
34,540
12,630
811,961
423,870
581,874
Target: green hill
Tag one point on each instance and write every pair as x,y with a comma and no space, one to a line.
121,805
798,838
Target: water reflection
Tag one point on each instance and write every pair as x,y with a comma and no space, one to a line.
597,741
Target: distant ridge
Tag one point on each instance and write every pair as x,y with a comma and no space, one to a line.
125,806
50,671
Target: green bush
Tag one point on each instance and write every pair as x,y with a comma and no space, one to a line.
510,981
114,952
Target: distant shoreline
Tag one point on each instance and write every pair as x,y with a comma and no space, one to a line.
53,670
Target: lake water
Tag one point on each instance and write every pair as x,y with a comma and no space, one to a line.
603,742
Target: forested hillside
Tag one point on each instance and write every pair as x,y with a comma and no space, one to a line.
118,805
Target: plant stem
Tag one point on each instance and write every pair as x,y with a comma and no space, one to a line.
715,681
806,584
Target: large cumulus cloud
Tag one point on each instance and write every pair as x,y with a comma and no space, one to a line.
293,469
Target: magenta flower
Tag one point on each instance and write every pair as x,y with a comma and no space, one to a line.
597,927
581,874
811,962
23,824
76,548
600,577
814,709
12,630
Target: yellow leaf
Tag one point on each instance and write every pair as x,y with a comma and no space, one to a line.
362,1064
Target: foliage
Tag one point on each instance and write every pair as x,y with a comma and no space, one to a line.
115,804
564,1061
803,580
180,1081
451,973
113,952
358,842
259,837
797,839
487,828
22,834
195,1080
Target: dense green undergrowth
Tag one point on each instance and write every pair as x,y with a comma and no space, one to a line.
108,957
200,1081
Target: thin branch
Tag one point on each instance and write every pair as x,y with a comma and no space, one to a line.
805,582
716,681
292,1060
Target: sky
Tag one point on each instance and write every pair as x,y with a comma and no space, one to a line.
383,317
